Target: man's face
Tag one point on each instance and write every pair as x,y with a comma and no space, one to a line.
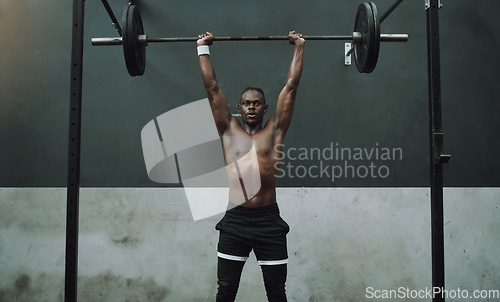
252,108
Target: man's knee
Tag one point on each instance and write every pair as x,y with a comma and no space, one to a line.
274,282
228,273
227,290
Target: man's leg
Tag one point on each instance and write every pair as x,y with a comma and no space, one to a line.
232,251
271,251
228,274
274,282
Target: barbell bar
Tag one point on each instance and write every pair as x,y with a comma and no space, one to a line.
144,39
365,38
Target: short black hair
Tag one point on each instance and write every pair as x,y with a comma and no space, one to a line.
259,90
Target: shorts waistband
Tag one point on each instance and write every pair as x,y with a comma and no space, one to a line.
268,210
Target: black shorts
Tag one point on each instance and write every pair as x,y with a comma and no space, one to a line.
261,229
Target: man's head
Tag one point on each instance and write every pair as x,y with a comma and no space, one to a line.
252,106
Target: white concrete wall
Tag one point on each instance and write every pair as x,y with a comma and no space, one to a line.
142,244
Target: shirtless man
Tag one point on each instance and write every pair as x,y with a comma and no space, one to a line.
254,223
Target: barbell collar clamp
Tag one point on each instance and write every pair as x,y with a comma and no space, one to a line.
357,37
143,39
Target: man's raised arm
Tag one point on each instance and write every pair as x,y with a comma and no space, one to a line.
286,99
217,100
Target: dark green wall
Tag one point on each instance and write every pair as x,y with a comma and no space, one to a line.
335,104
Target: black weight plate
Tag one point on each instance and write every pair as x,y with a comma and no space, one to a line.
133,49
364,24
373,55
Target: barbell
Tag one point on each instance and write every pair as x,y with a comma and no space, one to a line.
365,38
